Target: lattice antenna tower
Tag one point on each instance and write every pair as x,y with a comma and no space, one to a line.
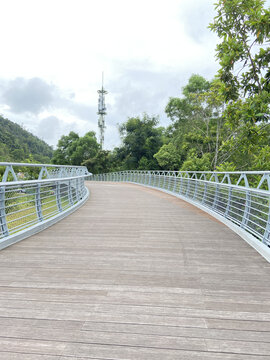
101,113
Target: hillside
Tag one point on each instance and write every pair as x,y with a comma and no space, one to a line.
19,145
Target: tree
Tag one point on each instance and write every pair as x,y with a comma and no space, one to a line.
141,139
168,157
244,55
189,107
104,161
73,150
195,163
197,122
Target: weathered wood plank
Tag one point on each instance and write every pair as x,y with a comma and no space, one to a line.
134,274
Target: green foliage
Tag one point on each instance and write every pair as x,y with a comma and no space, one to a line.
190,107
244,55
194,163
262,159
243,26
168,157
244,29
196,85
74,150
104,161
226,166
141,140
248,148
197,123
19,145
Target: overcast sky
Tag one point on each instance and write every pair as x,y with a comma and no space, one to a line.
54,52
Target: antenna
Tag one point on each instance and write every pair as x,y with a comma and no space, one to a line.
101,113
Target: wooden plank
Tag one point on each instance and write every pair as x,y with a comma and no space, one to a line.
134,274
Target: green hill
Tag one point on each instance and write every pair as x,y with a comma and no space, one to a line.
19,145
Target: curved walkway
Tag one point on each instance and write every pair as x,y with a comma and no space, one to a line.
134,274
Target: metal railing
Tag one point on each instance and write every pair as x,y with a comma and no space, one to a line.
23,171
28,206
238,198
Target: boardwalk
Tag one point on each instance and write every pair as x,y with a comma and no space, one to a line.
134,274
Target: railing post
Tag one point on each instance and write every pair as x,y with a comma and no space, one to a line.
174,186
196,188
38,203
3,219
204,192
247,210
77,190
216,197
228,202
188,186
58,196
266,235
155,180
80,188
70,193
164,181
181,185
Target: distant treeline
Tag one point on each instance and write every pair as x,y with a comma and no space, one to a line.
19,145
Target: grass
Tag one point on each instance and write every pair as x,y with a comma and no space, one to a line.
20,206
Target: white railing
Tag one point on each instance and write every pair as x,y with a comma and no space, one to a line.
239,199
28,206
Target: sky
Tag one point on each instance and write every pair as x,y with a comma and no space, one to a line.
54,53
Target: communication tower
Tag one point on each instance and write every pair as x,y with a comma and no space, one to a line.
101,113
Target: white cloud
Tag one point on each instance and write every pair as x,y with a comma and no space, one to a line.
148,50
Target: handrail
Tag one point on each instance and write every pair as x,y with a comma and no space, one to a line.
241,200
39,181
28,206
38,165
260,178
46,170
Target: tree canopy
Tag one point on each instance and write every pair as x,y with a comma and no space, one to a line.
74,150
141,140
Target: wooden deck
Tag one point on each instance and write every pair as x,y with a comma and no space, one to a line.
134,274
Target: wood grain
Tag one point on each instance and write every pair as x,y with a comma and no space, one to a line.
134,274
